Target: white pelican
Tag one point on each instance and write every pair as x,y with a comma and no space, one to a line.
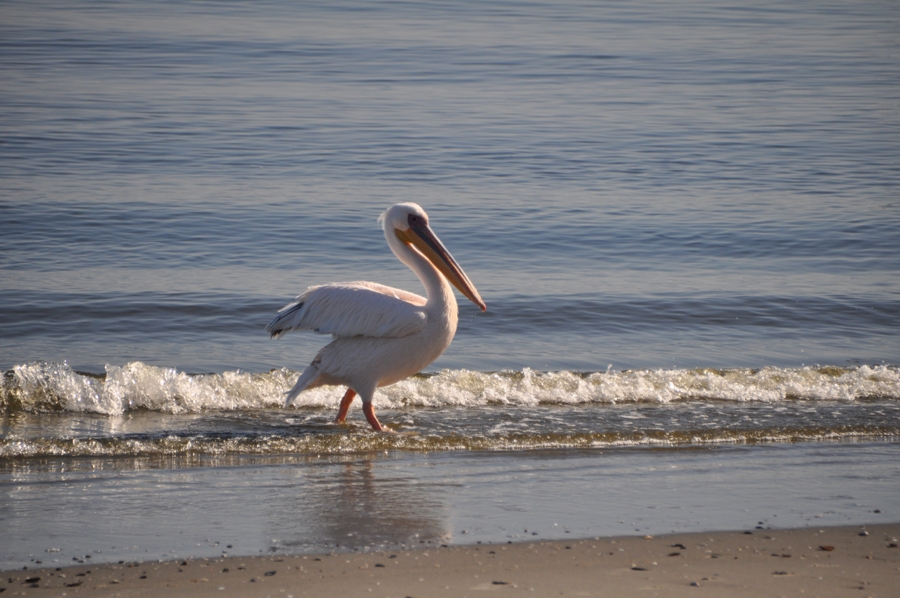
381,334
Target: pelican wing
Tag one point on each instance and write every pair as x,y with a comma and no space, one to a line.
352,309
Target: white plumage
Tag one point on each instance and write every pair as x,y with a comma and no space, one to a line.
381,334
353,309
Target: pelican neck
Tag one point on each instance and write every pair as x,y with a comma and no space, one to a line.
437,288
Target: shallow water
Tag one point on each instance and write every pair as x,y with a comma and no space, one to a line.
139,410
682,219
177,507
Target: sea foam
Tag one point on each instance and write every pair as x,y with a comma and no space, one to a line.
43,387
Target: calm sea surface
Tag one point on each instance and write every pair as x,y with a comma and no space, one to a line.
683,218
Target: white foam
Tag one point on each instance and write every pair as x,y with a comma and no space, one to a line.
135,386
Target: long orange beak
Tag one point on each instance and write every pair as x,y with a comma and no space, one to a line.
423,238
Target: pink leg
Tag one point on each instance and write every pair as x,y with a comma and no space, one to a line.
345,406
373,421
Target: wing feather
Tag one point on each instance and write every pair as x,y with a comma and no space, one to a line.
352,309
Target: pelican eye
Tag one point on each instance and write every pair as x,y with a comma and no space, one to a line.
416,220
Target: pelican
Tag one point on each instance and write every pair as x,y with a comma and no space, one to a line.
381,334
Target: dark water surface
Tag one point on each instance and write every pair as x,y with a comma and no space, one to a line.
628,184
682,217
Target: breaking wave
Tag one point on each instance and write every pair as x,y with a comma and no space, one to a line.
48,387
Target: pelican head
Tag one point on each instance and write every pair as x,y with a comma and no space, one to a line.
409,223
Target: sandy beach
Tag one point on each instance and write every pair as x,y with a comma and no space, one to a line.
835,561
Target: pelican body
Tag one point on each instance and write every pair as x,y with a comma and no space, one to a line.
381,334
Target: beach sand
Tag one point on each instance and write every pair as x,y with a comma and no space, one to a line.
836,561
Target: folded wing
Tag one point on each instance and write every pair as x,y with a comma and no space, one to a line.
352,309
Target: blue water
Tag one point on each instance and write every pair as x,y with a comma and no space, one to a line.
682,217
631,185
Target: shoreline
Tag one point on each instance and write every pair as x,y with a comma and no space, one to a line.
821,561
65,511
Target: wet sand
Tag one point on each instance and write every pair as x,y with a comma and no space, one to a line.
61,511
836,561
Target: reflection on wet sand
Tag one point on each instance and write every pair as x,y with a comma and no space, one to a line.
360,504
206,505
74,509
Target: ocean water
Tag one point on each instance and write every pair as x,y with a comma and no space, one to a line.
682,217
